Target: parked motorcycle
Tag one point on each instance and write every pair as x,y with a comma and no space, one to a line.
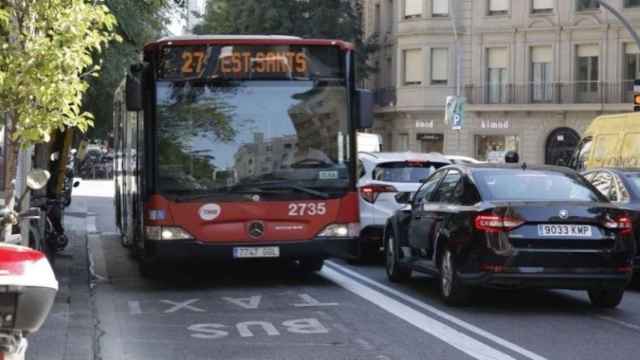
28,281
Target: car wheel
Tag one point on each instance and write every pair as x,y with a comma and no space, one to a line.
310,265
452,290
396,272
605,298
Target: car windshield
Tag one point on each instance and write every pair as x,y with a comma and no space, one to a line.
532,185
405,171
215,136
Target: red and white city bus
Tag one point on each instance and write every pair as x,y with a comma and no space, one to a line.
235,147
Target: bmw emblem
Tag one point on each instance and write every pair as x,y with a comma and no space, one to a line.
255,198
564,214
256,229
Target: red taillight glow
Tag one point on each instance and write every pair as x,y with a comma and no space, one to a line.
14,259
622,223
370,193
496,224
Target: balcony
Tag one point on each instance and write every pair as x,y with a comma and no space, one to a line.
585,93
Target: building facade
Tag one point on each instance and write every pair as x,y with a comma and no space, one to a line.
534,73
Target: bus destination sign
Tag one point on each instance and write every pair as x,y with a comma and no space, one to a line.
249,62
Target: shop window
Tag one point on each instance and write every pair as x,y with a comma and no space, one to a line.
493,148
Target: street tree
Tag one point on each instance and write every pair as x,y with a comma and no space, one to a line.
46,59
337,19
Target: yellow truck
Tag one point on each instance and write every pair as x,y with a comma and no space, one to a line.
610,141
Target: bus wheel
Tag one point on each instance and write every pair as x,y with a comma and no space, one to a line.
310,265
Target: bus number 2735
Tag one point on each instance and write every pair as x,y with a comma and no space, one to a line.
310,209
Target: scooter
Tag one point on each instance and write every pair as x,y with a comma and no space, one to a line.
28,285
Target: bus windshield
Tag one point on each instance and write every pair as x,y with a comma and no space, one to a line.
226,136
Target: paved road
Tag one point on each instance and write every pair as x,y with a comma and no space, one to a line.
262,311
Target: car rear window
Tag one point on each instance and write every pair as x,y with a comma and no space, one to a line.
635,180
405,171
531,185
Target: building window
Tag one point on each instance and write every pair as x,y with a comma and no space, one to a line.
493,148
631,3
389,15
587,73
497,75
431,142
440,8
439,66
631,69
413,67
583,5
412,9
541,73
542,6
403,142
498,7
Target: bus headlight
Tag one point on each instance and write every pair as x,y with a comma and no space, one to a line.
340,230
167,233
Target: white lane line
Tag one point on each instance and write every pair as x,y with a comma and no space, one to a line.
472,328
449,335
620,322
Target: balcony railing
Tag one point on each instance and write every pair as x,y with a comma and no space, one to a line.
385,97
581,92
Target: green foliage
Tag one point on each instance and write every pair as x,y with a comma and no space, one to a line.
334,19
46,57
138,23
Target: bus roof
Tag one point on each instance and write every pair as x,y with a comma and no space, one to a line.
245,40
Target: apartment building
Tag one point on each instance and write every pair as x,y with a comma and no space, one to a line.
534,73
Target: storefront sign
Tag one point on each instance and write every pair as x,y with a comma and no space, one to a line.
424,124
429,137
495,124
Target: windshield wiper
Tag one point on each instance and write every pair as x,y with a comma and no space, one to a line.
282,185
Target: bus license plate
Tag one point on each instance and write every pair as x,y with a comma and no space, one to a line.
564,230
256,252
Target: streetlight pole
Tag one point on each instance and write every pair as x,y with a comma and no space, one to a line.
622,19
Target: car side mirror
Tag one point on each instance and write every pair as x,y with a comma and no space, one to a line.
133,88
403,197
364,102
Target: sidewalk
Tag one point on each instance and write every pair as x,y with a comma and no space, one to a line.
69,332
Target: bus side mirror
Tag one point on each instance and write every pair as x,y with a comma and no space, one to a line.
133,88
364,101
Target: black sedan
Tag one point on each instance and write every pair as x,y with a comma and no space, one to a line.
511,227
621,187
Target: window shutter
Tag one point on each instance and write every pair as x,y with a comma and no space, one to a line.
413,66
440,7
497,58
542,4
412,7
588,50
498,5
440,64
541,54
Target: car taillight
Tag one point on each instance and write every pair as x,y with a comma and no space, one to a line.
496,224
371,192
621,223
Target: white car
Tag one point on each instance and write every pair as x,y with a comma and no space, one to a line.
457,159
382,176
